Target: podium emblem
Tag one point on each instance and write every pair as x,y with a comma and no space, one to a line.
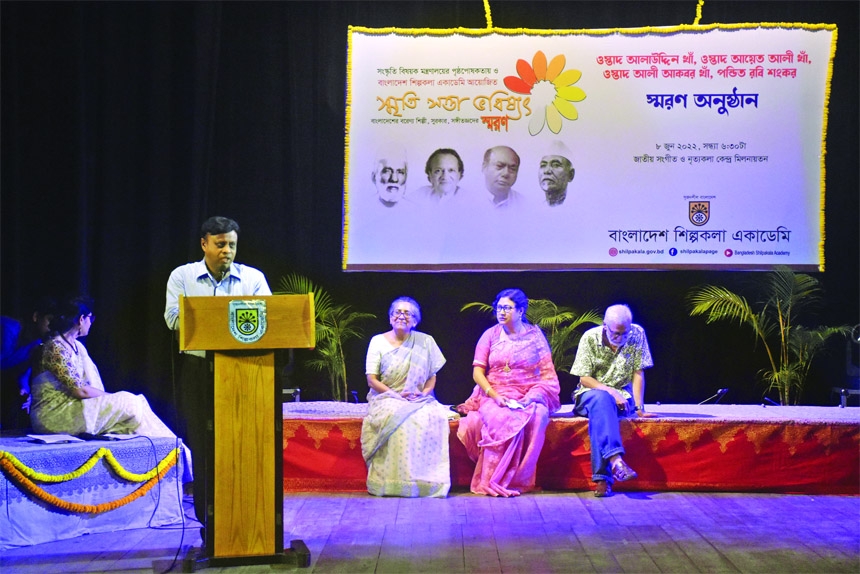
247,320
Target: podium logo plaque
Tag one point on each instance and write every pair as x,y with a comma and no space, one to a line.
247,320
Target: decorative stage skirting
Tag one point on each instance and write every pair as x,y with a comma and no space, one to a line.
739,448
28,519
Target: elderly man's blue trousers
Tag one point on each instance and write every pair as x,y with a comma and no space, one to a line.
603,430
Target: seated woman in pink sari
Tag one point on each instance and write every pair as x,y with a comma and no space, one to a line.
508,412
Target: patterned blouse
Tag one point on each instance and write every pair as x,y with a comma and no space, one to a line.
613,369
67,365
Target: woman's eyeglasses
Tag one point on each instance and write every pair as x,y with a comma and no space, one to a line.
404,312
504,308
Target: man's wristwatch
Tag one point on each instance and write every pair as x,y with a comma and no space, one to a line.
639,409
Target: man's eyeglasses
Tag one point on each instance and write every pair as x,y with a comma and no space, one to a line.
404,312
504,308
615,335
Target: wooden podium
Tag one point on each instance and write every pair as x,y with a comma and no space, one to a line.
245,497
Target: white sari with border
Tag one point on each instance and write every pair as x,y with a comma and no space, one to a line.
405,441
55,411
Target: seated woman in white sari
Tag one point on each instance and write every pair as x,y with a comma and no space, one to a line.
404,437
69,396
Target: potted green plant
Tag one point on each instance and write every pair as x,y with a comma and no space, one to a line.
790,347
559,324
335,325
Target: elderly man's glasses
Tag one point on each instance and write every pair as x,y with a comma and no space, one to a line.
397,312
616,335
504,308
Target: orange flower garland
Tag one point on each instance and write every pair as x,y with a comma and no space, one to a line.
34,490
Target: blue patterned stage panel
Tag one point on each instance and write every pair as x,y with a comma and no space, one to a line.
26,519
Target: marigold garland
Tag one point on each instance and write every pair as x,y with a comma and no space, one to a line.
699,6
8,466
824,122
346,138
88,465
667,30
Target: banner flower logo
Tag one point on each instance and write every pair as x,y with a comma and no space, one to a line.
551,88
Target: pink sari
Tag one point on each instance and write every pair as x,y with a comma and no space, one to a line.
506,443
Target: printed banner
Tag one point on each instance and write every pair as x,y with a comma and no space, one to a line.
660,148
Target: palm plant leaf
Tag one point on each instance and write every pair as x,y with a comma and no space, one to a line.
558,323
481,307
320,364
295,284
805,342
542,311
341,321
790,347
793,291
335,324
564,346
765,324
590,316
787,381
719,304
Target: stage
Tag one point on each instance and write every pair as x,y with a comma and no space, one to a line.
729,448
59,491
732,448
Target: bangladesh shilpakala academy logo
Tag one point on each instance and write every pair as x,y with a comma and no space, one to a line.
247,320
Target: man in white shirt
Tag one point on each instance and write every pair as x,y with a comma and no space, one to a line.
500,168
216,274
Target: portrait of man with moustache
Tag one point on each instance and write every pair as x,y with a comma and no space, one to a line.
500,168
555,172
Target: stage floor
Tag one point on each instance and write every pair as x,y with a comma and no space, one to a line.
539,533
742,448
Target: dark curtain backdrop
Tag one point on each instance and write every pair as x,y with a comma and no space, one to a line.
125,124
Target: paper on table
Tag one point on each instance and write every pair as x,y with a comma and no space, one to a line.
107,436
54,438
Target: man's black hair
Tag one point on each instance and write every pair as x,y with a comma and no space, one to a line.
218,225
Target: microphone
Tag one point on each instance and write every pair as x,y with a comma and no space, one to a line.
771,401
718,396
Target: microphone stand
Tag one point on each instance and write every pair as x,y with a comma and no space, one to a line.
717,396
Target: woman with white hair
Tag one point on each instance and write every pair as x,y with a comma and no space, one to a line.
404,437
